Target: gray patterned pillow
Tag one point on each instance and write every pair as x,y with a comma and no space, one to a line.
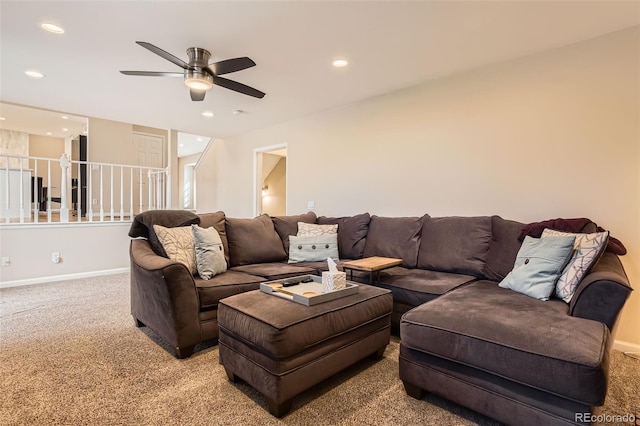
179,245
210,259
587,250
313,230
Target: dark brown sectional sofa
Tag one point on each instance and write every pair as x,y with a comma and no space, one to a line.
512,357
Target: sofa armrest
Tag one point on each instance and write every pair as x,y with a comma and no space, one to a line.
603,292
164,296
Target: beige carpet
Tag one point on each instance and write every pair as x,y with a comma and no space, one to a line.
70,354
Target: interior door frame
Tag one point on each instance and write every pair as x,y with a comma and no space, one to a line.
257,168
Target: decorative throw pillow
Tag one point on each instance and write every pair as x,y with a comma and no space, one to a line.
288,225
313,248
179,245
209,249
587,250
142,225
538,266
311,229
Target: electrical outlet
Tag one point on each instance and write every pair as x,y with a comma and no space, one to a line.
94,201
6,261
311,205
55,257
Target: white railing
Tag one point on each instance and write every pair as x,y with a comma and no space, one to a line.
46,190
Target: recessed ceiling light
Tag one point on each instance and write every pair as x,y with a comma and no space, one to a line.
52,28
340,63
49,133
181,145
34,74
199,139
64,129
208,114
64,117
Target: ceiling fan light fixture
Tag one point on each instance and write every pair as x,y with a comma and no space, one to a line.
198,80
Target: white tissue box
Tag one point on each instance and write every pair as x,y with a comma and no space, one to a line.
333,281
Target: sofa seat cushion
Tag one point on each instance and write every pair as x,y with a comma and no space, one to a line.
224,285
416,286
320,267
275,270
526,340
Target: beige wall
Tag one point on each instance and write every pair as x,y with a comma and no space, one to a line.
86,249
110,142
550,135
274,203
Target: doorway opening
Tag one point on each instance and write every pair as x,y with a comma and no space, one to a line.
190,150
270,180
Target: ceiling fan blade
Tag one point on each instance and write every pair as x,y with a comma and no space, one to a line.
237,87
231,65
197,95
166,55
153,73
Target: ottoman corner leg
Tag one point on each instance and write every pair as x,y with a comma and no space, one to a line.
413,390
278,410
230,375
379,354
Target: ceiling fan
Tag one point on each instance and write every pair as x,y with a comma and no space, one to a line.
198,74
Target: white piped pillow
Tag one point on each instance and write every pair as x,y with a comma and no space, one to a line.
587,250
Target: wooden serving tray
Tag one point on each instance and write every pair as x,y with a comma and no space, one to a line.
309,293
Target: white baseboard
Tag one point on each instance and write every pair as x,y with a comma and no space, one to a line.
30,281
623,346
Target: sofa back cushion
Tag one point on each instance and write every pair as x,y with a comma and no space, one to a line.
142,225
397,237
352,233
503,248
217,221
288,225
253,241
455,244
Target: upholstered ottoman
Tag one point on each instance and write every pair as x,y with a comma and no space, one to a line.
282,348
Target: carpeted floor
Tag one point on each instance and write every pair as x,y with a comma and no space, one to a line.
70,354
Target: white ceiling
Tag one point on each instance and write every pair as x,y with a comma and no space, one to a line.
390,45
189,144
41,122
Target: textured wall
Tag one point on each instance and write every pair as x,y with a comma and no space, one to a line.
13,143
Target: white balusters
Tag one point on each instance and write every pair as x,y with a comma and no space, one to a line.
101,196
64,207
79,195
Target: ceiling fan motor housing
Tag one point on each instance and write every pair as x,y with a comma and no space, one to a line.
198,58
196,77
